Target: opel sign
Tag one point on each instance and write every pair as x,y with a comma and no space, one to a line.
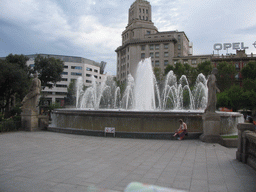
225,46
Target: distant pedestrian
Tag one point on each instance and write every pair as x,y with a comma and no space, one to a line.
182,131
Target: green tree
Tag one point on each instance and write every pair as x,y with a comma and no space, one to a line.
49,70
223,100
225,76
205,68
249,71
248,100
13,84
71,95
235,95
168,68
158,74
179,70
21,60
249,84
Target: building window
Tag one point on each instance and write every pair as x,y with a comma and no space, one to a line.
166,62
142,47
61,93
60,85
146,18
151,47
65,66
76,67
88,69
193,61
185,62
237,66
64,73
76,74
142,55
151,55
140,10
95,76
175,62
95,70
179,37
146,11
88,81
157,46
64,79
166,46
140,17
157,54
166,54
152,62
157,63
88,75
148,32
179,47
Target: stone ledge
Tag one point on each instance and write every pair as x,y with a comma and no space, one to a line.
119,134
230,142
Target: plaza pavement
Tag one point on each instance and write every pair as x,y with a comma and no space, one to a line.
47,161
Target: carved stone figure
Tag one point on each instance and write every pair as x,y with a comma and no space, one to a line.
212,89
30,101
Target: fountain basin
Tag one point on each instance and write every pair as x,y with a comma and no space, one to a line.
144,124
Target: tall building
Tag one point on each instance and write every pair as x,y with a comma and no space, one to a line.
141,39
74,67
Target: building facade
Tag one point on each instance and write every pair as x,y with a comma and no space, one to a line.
141,39
239,60
74,67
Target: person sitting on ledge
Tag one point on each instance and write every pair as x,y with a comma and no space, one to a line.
182,131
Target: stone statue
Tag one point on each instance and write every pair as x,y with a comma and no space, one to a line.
212,89
30,101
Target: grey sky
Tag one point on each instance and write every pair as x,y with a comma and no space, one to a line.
92,28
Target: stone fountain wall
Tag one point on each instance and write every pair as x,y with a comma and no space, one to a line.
126,121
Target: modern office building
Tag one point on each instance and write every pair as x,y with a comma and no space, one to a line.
141,39
74,67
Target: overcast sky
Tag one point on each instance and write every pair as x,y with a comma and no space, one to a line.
92,28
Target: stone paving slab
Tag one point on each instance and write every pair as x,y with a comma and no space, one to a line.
47,161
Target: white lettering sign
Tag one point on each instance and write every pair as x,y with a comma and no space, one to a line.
225,46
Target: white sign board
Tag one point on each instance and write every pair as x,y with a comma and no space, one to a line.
110,130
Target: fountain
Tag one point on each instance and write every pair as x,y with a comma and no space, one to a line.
145,107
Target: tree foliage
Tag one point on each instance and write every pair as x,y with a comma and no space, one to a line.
225,76
205,68
49,69
158,74
13,83
249,71
71,95
20,60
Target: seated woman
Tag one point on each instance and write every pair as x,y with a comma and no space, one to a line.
182,131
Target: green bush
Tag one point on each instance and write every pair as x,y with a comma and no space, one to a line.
10,124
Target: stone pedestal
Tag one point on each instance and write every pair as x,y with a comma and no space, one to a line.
240,153
211,128
29,120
